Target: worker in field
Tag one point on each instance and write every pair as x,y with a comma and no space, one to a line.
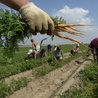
75,49
35,49
49,47
42,53
35,55
37,19
58,54
35,45
94,48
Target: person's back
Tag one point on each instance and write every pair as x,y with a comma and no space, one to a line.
94,42
94,48
36,48
35,45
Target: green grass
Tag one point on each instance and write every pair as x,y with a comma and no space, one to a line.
12,66
88,87
46,69
7,89
17,64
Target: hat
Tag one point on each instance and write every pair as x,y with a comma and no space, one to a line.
30,51
43,49
58,48
32,40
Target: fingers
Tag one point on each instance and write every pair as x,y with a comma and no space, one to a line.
50,27
46,28
37,20
32,29
43,29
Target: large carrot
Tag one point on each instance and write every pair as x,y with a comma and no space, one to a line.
69,28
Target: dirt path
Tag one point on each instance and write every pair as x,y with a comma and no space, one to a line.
52,84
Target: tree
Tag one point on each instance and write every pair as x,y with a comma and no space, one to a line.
12,31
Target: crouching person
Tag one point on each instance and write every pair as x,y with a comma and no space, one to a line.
74,50
58,54
42,53
32,54
35,54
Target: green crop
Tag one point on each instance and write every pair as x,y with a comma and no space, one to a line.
12,31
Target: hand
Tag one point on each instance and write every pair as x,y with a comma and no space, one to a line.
38,20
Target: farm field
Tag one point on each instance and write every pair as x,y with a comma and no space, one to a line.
40,78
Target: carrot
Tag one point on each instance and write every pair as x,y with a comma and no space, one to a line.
69,28
69,31
65,37
72,28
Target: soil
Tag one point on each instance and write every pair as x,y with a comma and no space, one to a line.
53,83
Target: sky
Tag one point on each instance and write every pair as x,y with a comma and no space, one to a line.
74,12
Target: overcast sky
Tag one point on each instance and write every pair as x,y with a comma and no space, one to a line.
74,11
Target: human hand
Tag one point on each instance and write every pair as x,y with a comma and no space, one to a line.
38,20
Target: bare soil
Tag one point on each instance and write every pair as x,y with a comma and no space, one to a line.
51,84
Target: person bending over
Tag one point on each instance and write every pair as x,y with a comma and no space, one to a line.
94,48
35,55
42,53
35,45
58,54
75,49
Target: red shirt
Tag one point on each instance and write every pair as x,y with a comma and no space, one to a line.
95,42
